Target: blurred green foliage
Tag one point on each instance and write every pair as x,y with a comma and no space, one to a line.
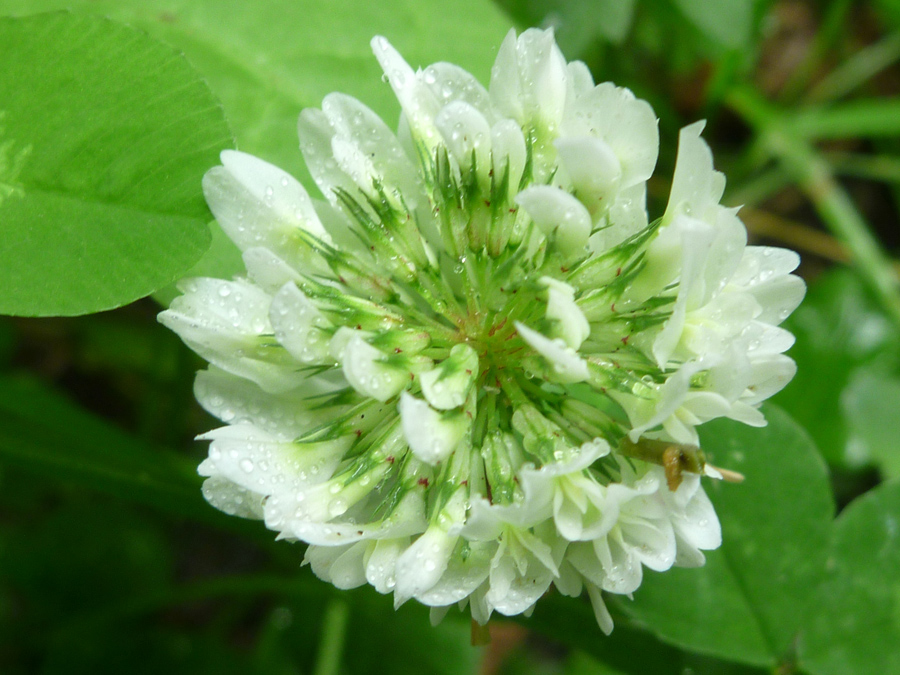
111,562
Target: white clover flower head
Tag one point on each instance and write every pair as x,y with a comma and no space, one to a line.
475,370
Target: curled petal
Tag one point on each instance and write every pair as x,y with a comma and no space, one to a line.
431,435
566,365
559,215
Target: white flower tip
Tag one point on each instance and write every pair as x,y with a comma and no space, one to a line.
601,613
556,212
366,371
381,45
712,472
431,435
566,365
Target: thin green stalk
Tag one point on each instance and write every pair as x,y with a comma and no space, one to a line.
331,645
830,30
868,118
884,168
856,70
815,177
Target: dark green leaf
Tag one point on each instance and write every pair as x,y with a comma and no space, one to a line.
855,628
105,134
746,603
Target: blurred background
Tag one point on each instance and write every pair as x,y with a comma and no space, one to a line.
110,561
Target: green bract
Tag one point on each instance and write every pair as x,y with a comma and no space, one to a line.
477,369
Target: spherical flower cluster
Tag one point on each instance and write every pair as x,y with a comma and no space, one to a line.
476,370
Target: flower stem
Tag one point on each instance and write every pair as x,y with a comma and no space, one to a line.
331,645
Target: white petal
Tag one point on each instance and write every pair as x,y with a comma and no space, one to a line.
662,265
559,214
593,167
579,79
316,134
508,150
568,518
419,104
359,166
407,519
670,397
779,297
260,462
431,435
569,582
770,375
697,524
696,185
267,270
505,84
300,326
437,614
724,255
541,71
652,541
321,558
227,323
626,217
449,83
762,263
348,570
622,571
523,593
626,124
234,399
382,562
258,204
705,406
697,239
366,131
538,548
485,521
601,613
231,498
367,373
466,133
761,339
567,366
462,576
447,386
573,327
420,567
